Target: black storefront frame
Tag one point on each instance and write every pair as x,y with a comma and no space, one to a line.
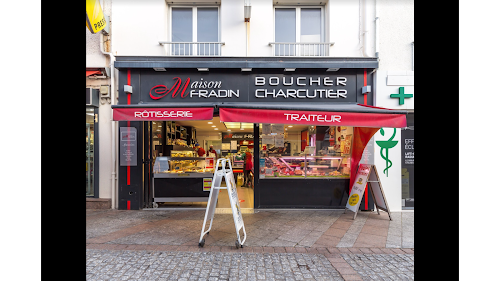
363,67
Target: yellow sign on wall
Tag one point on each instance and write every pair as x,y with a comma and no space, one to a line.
95,17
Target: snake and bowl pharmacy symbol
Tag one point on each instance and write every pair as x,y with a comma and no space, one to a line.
390,143
353,200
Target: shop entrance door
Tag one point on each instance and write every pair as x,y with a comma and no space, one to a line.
148,164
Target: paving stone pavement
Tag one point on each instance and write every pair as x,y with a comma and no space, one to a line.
280,245
214,266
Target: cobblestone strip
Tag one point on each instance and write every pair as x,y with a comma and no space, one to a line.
350,263
382,266
186,266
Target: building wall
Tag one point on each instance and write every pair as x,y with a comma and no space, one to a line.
96,59
140,25
396,36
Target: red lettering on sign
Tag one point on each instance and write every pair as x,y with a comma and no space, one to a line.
163,90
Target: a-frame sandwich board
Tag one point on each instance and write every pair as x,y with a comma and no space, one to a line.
367,176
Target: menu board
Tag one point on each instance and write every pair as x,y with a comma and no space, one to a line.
266,129
279,140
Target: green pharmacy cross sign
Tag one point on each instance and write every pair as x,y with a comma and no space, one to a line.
401,95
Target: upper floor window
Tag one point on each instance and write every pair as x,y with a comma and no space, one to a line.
299,31
195,31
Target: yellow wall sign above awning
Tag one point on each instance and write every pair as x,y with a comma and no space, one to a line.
95,16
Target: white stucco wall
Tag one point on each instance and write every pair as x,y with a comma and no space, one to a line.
139,25
396,34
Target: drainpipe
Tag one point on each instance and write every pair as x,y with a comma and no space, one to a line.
377,28
114,196
365,28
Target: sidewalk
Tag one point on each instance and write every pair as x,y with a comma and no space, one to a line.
368,248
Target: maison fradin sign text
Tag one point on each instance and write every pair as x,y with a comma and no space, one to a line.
237,87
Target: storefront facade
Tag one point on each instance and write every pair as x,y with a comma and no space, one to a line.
275,91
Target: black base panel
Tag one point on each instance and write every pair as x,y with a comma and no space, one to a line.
179,187
313,193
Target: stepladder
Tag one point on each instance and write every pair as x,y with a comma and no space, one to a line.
220,171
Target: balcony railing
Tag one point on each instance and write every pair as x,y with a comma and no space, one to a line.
192,48
292,49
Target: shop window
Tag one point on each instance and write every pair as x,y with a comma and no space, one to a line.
195,31
299,31
90,151
295,151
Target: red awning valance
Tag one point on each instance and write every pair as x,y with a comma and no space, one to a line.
318,118
92,72
162,114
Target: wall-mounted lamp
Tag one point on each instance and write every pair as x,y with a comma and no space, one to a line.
127,89
248,10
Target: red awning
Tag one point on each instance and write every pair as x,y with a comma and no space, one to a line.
376,118
162,114
92,72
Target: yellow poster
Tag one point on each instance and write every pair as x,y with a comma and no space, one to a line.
207,184
95,17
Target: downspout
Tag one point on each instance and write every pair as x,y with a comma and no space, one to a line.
113,128
377,28
365,29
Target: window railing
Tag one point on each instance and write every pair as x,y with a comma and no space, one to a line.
291,49
192,48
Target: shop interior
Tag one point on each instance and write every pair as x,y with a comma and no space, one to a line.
183,136
286,151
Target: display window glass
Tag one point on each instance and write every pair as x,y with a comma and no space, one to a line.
295,151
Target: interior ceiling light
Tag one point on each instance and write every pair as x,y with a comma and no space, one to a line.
238,125
159,69
210,122
332,69
289,69
202,69
213,126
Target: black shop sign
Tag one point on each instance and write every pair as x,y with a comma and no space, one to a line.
216,86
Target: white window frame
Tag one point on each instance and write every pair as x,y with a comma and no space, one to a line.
194,22
297,21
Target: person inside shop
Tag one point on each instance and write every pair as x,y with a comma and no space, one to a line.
246,169
199,149
212,150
